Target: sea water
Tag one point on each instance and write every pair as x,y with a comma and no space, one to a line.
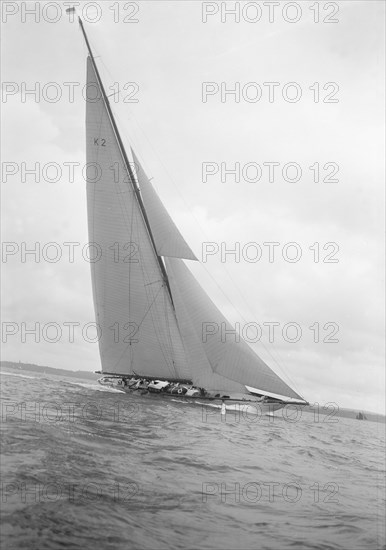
88,467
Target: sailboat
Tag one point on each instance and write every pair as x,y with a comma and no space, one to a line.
148,305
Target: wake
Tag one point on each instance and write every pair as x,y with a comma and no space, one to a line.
94,386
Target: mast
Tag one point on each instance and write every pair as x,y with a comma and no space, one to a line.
126,162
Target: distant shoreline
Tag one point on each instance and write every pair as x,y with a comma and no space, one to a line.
86,375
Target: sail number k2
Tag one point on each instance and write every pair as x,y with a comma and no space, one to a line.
100,142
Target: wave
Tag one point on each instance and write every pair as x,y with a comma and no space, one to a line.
93,386
18,375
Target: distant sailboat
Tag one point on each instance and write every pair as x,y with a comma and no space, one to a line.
148,304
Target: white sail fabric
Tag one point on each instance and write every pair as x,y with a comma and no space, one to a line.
139,331
168,239
235,361
202,373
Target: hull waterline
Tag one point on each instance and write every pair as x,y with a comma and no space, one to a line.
237,406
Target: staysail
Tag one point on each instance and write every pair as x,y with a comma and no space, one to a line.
168,239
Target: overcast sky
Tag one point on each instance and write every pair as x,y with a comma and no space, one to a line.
169,53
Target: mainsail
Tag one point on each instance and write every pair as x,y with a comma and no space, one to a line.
138,327
149,307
